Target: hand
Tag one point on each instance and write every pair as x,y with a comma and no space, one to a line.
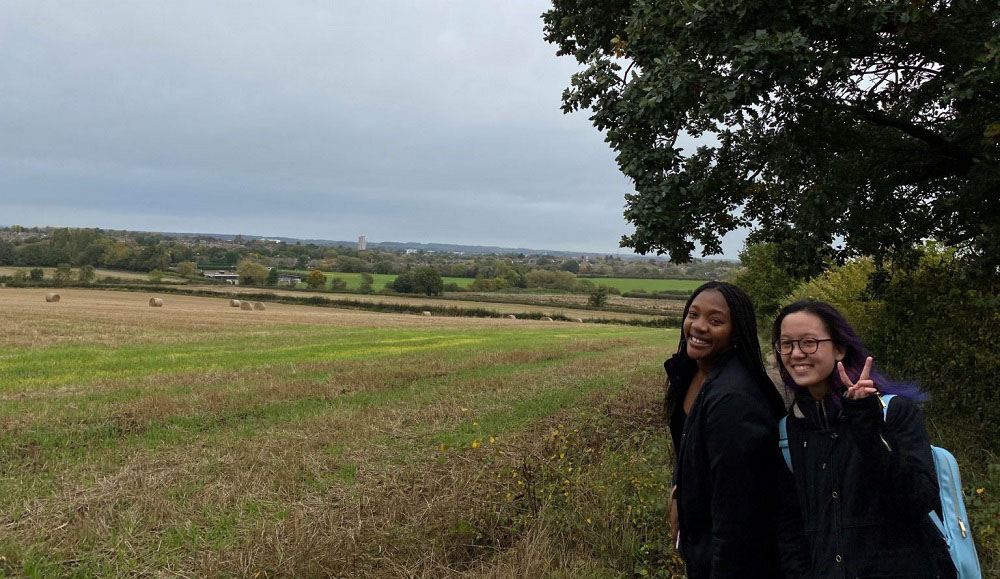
674,522
863,388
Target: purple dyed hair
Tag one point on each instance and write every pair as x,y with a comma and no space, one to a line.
854,350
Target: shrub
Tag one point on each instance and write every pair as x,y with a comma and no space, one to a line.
935,324
86,274
598,297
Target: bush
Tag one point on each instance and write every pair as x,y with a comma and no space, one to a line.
935,324
598,297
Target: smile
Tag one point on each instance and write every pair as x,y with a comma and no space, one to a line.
698,341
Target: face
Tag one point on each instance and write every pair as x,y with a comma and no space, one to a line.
707,327
809,370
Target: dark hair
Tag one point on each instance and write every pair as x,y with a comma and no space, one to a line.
743,340
855,354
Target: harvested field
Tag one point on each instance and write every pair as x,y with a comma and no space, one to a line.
99,273
543,305
198,440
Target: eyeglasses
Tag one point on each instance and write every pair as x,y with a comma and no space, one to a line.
806,345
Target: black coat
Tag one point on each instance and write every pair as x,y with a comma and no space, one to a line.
727,470
865,486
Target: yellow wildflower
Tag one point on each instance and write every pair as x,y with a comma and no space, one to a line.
475,444
980,491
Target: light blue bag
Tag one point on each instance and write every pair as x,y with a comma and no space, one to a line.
953,524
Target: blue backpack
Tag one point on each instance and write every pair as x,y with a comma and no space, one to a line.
954,527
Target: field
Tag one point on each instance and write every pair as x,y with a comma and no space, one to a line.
650,285
99,273
353,281
200,440
547,305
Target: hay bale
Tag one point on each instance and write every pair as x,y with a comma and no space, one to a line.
234,303
425,313
546,319
511,317
258,306
578,320
155,302
51,297
246,306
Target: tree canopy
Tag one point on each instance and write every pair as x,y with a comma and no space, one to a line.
830,128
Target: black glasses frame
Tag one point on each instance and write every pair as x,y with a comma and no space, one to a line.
780,345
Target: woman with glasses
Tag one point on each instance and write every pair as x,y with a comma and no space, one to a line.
723,412
865,483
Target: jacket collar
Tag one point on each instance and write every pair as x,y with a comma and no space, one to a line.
819,414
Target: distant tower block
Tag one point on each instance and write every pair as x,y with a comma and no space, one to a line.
362,244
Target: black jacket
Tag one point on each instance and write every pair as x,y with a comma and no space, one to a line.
726,472
865,486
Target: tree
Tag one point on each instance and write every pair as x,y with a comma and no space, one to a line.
764,280
876,123
315,279
598,296
338,284
570,265
366,283
86,274
17,278
156,275
36,274
187,268
420,280
427,280
251,273
63,274
272,276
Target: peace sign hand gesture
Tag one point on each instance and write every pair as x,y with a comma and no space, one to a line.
863,388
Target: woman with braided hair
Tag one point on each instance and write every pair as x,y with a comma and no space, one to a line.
723,411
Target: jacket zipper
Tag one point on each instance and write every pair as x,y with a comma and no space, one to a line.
824,421
885,418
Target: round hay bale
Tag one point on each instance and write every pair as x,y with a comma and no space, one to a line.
246,306
156,302
51,297
546,319
578,320
425,312
259,306
234,303
511,317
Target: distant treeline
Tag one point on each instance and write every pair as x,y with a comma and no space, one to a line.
144,252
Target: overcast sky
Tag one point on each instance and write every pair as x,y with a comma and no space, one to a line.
421,120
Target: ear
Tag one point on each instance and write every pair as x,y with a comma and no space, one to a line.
839,353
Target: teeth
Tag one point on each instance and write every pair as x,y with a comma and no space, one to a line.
697,340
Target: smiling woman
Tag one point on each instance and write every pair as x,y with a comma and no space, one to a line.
723,412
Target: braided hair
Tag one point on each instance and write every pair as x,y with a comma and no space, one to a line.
743,340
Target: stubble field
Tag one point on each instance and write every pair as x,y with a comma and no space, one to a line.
201,440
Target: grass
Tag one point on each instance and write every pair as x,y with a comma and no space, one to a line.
305,442
99,273
650,285
353,281
198,440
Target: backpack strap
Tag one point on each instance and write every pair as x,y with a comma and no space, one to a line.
783,441
885,399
